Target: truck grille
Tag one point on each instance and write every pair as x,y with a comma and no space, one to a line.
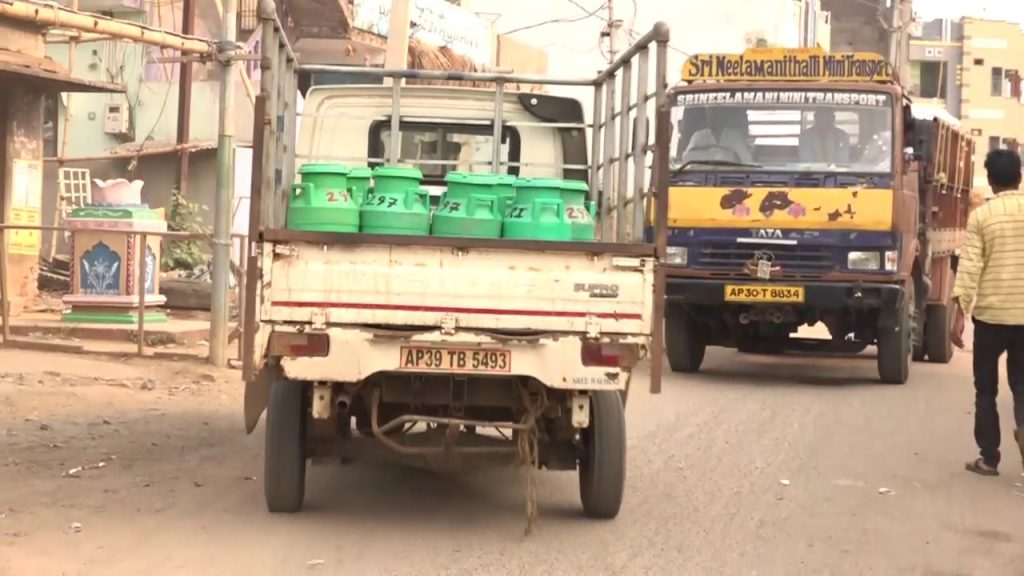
792,259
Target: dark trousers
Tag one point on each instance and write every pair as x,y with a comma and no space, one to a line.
990,341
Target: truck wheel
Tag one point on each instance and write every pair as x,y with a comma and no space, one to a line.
939,323
895,344
684,343
602,466
284,463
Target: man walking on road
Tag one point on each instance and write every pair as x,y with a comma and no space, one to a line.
990,288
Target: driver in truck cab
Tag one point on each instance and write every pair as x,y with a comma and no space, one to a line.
725,138
824,142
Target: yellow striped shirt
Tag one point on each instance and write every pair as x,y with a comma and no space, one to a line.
990,276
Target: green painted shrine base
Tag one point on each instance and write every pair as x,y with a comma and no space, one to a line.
126,317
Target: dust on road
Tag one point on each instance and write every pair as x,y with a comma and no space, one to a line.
761,465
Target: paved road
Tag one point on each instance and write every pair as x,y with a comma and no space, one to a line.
705,492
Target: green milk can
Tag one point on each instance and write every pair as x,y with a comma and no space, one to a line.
396,204
506,191
538,212
322,201
469,207
578,210
359,180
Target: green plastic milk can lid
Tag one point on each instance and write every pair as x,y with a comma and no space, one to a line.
575,186
471,178
315,168
506,180
549,183
397,172
361,172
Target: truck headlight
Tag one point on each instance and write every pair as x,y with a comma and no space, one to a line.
892,260
677,255
864,261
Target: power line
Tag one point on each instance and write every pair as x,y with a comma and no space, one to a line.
588,14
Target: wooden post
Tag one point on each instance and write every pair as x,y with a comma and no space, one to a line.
5,303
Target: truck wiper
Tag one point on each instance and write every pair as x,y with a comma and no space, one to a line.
687,164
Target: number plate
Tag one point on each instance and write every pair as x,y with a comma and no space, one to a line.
764,293
428,359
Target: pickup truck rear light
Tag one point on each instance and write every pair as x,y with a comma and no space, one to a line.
609,355
290,345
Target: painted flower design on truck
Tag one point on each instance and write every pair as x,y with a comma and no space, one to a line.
797,211
741,210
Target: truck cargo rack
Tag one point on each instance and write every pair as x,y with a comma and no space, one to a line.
626,169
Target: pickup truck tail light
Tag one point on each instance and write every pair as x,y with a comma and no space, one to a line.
609,355
291,345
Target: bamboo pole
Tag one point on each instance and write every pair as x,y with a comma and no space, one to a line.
53,15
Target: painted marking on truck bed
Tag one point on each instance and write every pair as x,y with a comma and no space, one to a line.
458,310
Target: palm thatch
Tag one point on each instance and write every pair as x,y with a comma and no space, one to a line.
423,56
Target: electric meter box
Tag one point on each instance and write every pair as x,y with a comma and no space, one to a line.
115,118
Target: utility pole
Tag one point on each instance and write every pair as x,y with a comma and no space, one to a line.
219,309
396,55
188,27
612,29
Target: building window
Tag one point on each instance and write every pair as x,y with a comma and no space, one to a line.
976,132
929,79
997,81
993,143
979,61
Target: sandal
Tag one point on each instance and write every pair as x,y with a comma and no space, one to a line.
979,467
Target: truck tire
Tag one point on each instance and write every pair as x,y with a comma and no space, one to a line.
939,322
684,342
284,463
895,345
602,465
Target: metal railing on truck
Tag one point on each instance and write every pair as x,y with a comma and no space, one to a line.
627,172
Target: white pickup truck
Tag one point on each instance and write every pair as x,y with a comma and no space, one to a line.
443,351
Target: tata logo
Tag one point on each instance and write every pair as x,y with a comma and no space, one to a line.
767,233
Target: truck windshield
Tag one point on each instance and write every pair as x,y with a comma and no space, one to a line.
783,131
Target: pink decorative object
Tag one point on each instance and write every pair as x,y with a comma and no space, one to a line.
117,192
797,211
741,210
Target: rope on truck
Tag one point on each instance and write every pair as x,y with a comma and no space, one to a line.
529,454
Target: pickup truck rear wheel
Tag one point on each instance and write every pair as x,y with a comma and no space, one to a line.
602,466
895,342
284,463
684,342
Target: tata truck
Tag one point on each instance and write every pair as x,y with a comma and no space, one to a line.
803,190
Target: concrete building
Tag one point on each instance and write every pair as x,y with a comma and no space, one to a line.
27,77
972,68
878,26
133,135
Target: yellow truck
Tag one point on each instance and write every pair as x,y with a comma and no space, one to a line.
803,189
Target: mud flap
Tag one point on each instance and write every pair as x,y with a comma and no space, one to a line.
257,394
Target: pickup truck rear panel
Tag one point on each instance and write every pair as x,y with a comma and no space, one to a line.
497,289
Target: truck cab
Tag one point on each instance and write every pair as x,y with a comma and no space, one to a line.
800,189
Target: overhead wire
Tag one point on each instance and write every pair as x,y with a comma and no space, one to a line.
587,14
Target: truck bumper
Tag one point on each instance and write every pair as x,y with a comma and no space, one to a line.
823,295
555,360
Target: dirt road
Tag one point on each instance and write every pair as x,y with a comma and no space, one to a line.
169,483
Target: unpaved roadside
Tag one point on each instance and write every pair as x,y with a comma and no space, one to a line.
179,491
